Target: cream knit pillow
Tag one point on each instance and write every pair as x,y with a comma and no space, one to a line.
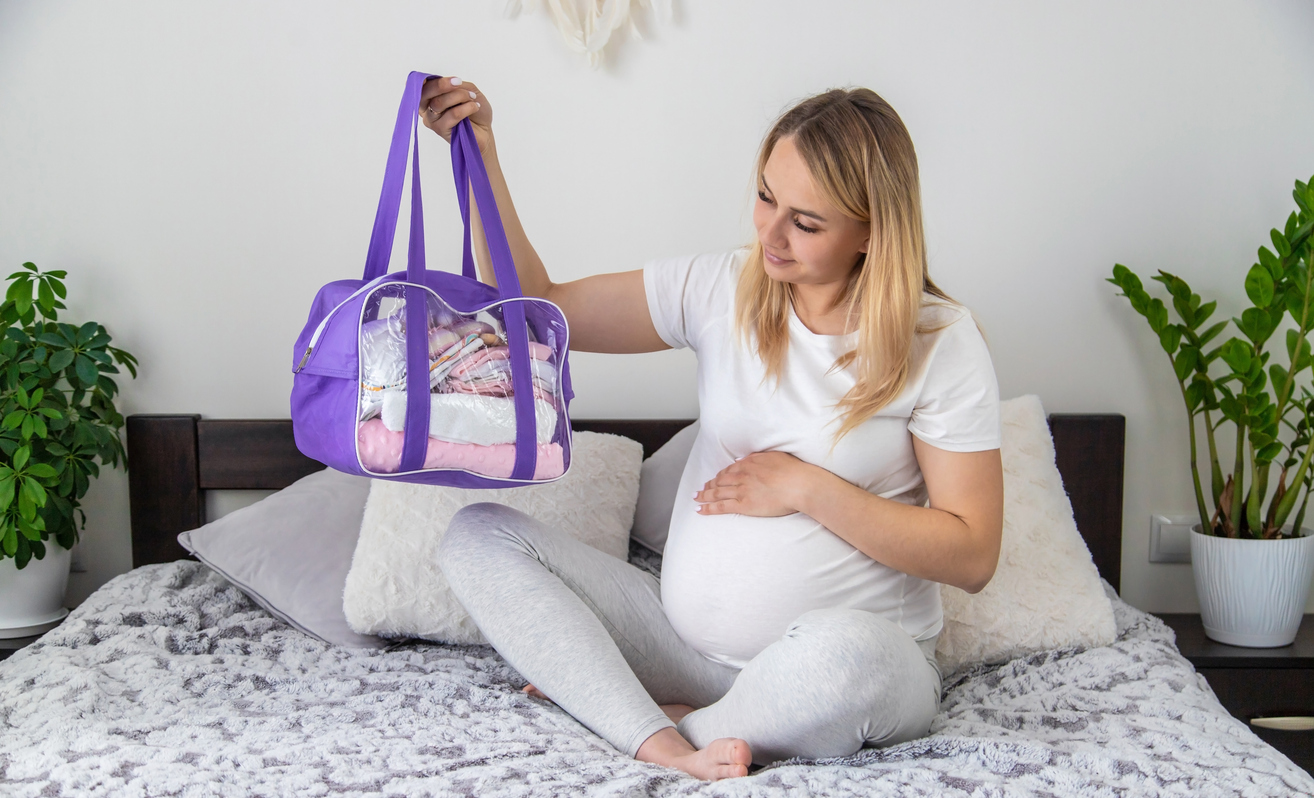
1046,592
395,587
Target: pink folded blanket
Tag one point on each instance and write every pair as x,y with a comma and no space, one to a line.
380,452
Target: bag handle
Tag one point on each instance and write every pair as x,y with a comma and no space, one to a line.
468,169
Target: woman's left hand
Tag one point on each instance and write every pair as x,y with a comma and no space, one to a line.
762,484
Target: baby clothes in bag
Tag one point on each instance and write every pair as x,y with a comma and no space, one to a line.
471,395
429,376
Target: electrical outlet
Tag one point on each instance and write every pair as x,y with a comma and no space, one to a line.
1170,537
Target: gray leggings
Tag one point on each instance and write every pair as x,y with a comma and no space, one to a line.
588,630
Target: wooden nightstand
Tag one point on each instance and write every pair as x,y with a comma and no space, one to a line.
1257,683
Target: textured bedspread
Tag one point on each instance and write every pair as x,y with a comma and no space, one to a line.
169,681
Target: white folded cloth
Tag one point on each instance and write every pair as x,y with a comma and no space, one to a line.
470,418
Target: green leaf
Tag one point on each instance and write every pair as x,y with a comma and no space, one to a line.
7,492
45,296
1268,453
61,359
86,370
1278,375
1157,314
21,457
1280,242
1170,338
1259,286
1195,393
9,543
42,470
87,331
1185,362
34,490
1256,324
1211,333
1237,354
24,554
1270,261
27,428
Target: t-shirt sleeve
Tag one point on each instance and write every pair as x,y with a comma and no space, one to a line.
957,408
685,294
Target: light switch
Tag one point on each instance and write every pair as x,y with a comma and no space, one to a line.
1170,537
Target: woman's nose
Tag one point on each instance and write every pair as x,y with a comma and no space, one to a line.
773,233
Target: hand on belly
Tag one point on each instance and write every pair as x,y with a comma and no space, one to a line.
763,484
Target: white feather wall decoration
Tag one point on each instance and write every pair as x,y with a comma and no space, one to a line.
587,25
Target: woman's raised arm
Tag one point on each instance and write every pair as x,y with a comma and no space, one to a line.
606,312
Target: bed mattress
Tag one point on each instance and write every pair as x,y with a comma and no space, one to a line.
169,680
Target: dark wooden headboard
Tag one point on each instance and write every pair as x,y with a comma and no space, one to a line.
176,458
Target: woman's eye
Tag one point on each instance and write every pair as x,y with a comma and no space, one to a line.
762,196
804,227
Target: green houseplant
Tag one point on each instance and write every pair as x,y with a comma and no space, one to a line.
1257,393
58,417
58,425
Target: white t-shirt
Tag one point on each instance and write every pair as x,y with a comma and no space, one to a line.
732,584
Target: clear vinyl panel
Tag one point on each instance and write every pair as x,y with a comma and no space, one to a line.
472,414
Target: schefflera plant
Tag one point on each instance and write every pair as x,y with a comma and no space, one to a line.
58,423
1269,404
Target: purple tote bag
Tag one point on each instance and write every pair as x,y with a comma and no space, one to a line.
493,412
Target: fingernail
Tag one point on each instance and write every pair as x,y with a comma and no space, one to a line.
479,105
456,81
472,94
695,495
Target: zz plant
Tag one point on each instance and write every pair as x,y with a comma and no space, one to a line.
57,421
1266,400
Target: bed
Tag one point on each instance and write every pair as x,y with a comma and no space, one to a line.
169,680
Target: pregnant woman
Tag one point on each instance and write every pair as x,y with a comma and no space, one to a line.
847,463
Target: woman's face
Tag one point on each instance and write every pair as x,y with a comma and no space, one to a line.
805,239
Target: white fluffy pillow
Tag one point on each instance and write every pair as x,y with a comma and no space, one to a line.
1046,592
395,587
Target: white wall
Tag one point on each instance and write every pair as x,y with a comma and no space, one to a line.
201,168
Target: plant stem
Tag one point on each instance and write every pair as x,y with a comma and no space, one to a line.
1300,517
1215,471
1255,502
1195,465
1238,495
1289,500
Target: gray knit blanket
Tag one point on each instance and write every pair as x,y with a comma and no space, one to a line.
170,681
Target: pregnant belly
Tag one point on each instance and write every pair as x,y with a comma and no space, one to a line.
732,584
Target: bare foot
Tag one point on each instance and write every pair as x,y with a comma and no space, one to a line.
722,759
676,712
530,689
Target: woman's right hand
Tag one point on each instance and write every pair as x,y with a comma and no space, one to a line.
446,101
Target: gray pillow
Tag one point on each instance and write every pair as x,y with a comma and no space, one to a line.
291,552
659,480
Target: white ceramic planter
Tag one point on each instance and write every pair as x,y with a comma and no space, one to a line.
1252,592
32,600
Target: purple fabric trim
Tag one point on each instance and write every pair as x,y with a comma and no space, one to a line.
462,177
513,314
415,444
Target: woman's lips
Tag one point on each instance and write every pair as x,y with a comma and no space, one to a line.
774,259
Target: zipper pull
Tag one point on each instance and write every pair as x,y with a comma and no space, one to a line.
304,358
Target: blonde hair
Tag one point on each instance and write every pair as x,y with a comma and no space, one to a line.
862,160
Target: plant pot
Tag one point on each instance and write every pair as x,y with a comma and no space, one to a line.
1252,592
31,600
